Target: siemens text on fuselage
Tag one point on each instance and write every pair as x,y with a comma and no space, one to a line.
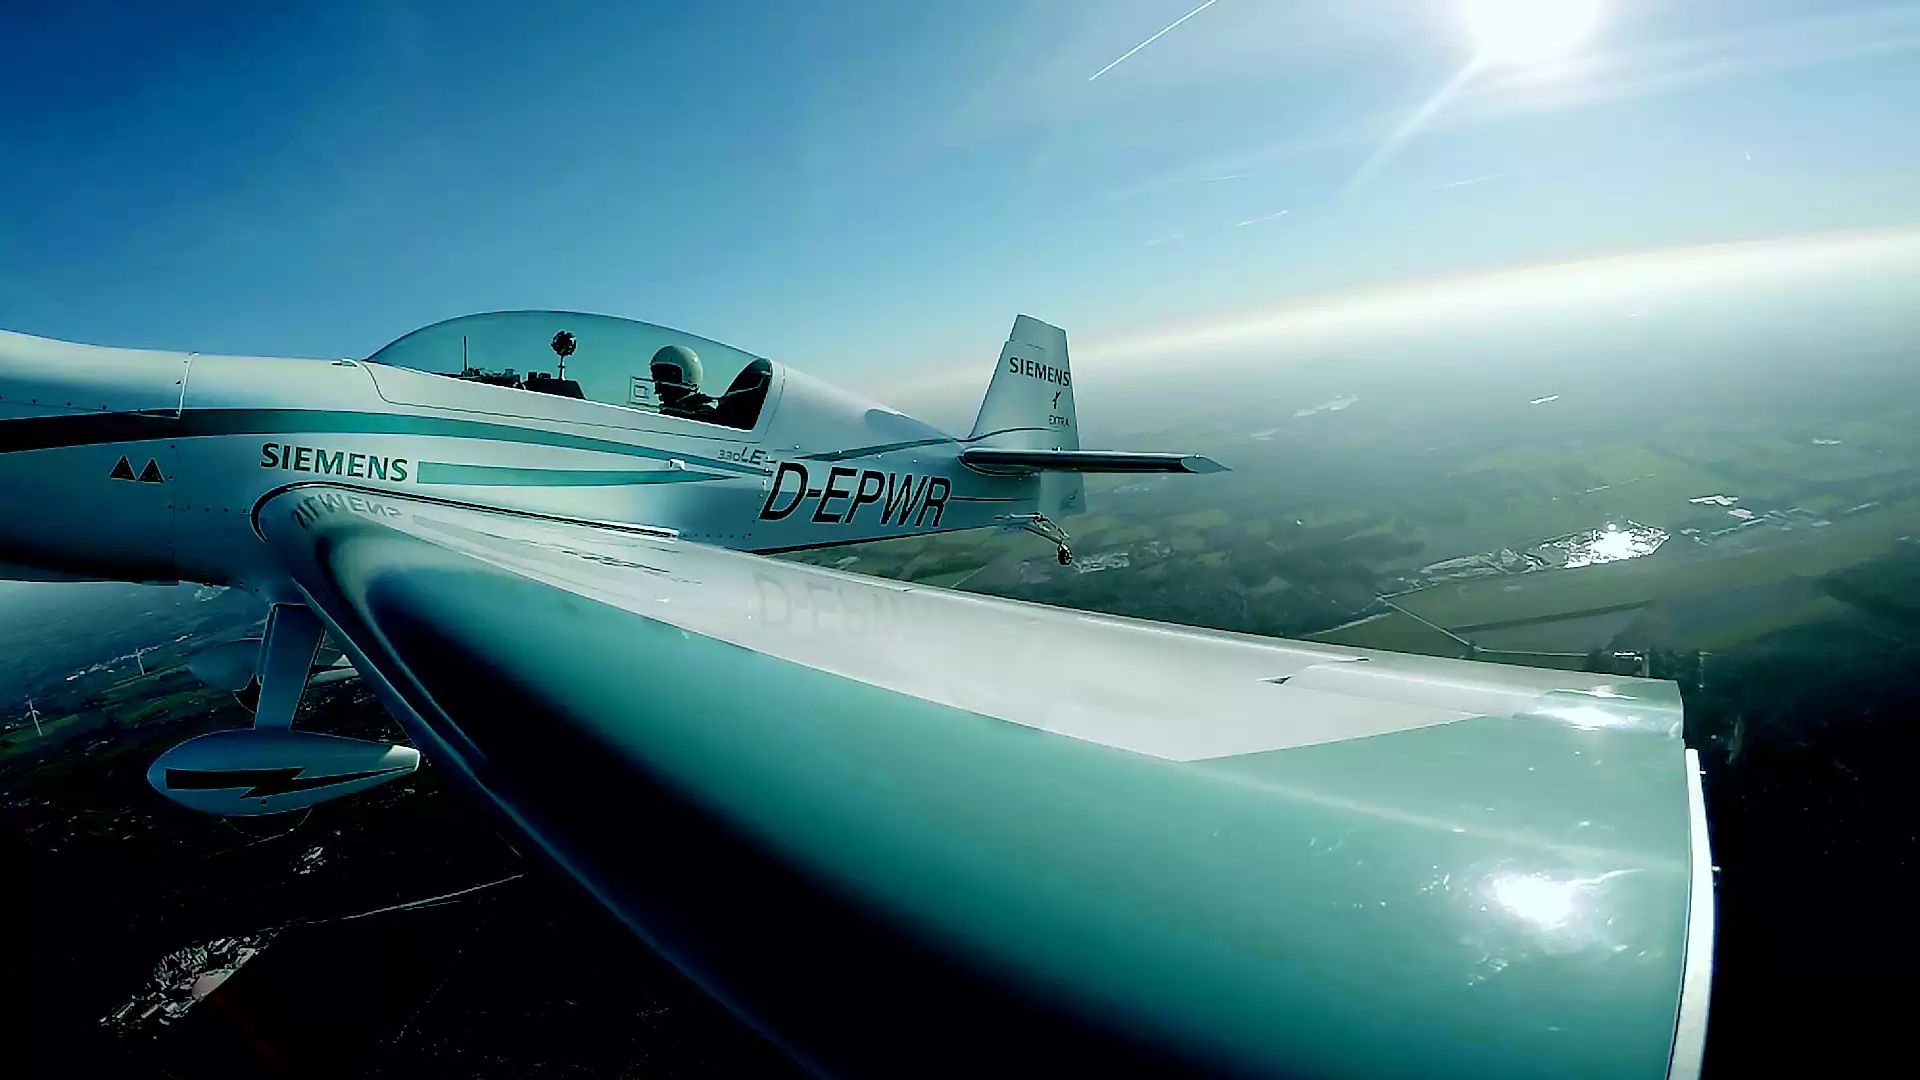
323,462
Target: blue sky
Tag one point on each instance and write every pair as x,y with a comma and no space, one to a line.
844,185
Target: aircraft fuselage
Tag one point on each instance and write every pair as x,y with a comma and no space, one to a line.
148,466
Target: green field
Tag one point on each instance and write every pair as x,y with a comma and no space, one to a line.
1665,575
1515,497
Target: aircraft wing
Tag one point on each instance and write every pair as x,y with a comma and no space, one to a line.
902,830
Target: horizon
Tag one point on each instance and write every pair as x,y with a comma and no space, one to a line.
846,188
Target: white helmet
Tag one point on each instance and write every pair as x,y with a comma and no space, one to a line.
676,372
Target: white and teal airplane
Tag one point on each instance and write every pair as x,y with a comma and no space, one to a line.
899,830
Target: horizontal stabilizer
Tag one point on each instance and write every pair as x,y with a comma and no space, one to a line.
990,459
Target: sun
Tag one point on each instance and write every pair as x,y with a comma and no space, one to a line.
1528,32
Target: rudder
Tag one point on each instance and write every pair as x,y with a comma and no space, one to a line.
1029,403
1029,406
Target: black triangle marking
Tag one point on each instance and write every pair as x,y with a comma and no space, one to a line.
151,474
122,469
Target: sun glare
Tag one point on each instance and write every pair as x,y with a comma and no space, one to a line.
1528,32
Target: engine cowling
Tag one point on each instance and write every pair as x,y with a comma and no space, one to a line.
250,771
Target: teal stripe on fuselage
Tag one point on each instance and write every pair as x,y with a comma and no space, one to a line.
442,472
92,429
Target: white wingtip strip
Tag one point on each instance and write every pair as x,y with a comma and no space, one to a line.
1696,980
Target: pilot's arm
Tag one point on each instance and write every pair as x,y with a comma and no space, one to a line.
693,406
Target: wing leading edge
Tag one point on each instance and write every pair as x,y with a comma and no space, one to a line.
901,830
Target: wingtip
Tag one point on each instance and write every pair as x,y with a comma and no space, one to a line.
1200,463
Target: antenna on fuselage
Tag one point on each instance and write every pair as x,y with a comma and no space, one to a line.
465,368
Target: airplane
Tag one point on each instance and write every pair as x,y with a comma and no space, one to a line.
897,830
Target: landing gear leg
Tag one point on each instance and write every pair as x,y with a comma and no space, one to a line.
1046,529
287,650
270,768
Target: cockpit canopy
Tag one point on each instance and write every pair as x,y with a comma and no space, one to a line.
594,357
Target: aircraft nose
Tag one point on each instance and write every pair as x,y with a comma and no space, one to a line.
86,465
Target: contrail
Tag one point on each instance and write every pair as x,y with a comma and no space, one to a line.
1470,181
1151,40
1261,218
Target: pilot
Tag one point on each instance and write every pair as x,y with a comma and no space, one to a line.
676,379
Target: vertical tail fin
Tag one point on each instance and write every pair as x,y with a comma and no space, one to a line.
1029,403
1029,406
